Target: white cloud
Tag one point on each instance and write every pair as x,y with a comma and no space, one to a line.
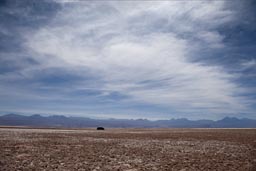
139,50
248,64
213,39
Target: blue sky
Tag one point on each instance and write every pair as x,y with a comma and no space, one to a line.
129,59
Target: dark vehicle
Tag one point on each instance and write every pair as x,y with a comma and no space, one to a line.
100,128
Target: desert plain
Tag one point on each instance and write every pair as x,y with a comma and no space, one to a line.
167,149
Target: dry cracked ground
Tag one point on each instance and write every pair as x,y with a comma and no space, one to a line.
127,149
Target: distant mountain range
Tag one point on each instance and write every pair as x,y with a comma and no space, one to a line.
80,122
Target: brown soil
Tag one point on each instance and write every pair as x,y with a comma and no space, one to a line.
127,149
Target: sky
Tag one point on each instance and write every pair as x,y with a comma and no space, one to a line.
128,59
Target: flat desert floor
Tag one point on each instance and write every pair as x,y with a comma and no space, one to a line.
127,149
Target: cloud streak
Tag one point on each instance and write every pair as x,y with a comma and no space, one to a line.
127,53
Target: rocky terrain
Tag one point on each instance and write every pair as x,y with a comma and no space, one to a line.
127,149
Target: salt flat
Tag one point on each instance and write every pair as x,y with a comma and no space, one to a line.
127,149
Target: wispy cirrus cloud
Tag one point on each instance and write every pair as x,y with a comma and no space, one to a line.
128,53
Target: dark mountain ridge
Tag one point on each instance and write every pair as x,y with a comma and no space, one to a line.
80,122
